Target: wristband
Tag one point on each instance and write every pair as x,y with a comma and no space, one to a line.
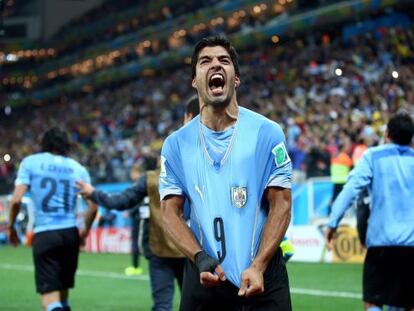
205,263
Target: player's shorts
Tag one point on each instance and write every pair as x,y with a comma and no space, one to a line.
388,276
55,256
195,297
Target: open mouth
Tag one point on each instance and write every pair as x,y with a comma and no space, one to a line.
216,83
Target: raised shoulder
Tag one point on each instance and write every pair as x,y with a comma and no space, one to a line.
259,120
183,133
32,158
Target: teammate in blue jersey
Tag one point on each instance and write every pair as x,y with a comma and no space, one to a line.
50,177
388,172
229,171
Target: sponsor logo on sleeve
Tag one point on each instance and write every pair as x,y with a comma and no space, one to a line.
280,154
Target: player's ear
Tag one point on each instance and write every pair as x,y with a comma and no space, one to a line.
236,81
193,83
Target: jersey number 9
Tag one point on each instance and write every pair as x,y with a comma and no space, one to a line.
220,237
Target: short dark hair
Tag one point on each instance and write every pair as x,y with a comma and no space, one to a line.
150,163
56,141
192,106
401,128
210,42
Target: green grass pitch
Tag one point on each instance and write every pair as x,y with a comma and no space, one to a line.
101,284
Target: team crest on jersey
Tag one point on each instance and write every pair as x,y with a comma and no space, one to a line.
239,196
280,154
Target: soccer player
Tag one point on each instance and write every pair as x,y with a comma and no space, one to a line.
388,172
228,169
50,177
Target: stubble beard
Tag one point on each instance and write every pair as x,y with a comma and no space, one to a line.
218,101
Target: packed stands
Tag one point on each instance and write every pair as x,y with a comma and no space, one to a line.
326,88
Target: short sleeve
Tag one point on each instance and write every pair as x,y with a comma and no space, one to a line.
85,175
275,151
23,174
169,181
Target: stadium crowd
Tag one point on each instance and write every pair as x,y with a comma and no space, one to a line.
329,94
97,32
154,14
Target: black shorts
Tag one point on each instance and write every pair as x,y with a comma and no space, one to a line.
195,297
388,276
55,256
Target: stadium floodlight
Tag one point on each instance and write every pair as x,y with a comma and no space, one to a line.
395,74
338,72
275,39
11,57
7,157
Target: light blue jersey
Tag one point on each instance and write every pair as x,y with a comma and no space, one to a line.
51,181
388,171
227,209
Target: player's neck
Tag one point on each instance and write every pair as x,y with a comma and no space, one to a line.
220,118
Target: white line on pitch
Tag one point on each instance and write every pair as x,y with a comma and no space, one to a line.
114,275
102,274
324,293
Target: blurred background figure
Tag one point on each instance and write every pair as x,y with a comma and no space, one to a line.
139,216
317,160
341,164
50,177
389,237
137,227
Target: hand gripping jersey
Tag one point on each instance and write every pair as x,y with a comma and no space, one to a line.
51,182
227,209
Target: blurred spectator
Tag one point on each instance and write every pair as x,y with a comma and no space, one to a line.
317,160
298,155
341,164
358,151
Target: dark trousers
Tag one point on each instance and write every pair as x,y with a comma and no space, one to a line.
388,276
163,271
139,240
276,297
134,241
337,188
55,256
